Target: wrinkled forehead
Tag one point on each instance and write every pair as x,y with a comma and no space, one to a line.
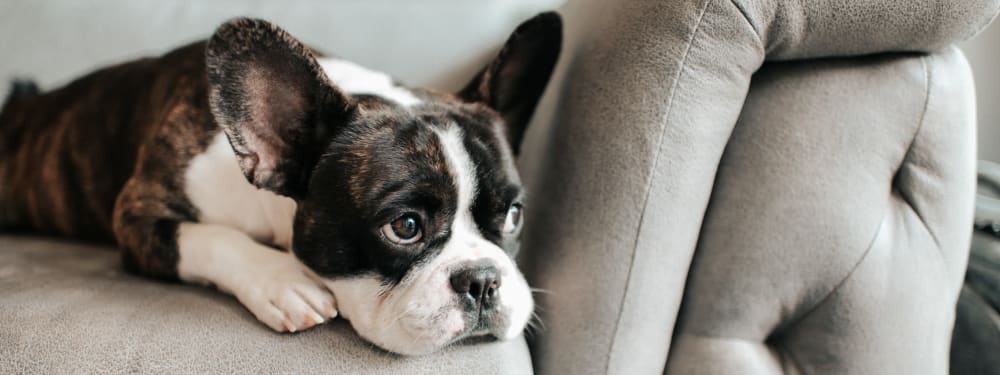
391,148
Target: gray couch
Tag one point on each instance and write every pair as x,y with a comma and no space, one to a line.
716,187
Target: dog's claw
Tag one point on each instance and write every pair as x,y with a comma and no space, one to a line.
285,296
316,318
331,312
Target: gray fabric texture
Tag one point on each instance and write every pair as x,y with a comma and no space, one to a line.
646,112
649,101
69,308
837,234
818,28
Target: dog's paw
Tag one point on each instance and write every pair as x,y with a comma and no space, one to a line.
284,295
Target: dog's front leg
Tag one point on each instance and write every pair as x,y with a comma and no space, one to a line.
272,284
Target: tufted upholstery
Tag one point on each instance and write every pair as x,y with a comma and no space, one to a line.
833,237
847,260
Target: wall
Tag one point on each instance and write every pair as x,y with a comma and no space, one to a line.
437,43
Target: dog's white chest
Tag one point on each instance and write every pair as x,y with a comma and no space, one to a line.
215,185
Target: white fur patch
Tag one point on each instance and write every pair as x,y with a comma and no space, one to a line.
466,243
215,185
355,79
225,247
272,284
419,315
463,168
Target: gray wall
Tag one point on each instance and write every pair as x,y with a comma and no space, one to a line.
82,45
983,52
55,41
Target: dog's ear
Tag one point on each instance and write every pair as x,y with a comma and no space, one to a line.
274,102
514,81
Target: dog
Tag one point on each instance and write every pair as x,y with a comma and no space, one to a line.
305,186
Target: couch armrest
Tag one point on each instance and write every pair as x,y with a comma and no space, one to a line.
838,230
803,29
651,93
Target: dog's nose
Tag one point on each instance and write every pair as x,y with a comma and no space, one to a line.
477,285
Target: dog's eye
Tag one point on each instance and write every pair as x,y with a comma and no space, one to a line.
404,230
513,220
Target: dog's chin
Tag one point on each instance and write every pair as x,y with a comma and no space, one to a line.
415,327
417,334
414,338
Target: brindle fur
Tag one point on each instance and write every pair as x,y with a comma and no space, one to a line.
103,157
100,156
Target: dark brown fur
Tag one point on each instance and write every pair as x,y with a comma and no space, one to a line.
115,137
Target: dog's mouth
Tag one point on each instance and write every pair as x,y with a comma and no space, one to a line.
475,326
419,335
486,324
423,318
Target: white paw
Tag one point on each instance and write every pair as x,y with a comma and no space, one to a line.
284,295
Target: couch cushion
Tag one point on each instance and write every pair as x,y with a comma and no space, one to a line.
837,234
651,94
817,28
70,308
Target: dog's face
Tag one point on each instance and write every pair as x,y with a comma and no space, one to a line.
419,238
410,212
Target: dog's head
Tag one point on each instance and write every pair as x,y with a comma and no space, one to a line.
409,205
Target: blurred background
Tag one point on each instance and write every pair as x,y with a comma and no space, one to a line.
80,36
983,53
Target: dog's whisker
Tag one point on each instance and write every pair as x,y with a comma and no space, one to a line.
416,338
396,320
536,321
534,327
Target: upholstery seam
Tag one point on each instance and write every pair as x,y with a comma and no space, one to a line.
778,342
776,346
746,16
909,150
652,172
871,244
793,360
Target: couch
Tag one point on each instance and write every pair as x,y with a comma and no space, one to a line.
715,187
